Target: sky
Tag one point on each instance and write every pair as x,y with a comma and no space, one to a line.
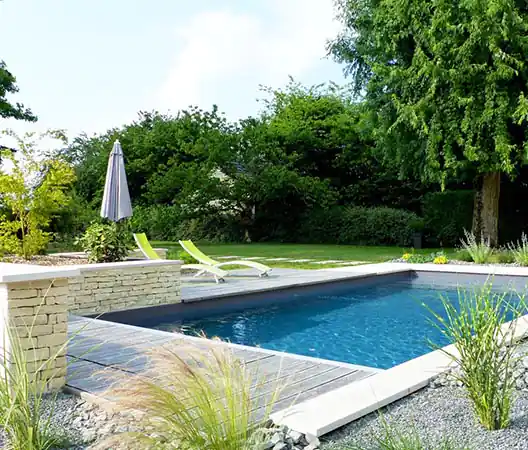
87,66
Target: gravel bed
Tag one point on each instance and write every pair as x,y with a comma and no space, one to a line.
435,414
45,260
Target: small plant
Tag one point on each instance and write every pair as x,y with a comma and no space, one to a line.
480,251
440,258
407,256
197,399
181,255
485,356
106,242
520,251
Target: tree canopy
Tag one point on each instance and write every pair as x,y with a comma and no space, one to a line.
446,85
7,108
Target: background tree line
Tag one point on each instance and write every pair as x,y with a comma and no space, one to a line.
430,136
306,169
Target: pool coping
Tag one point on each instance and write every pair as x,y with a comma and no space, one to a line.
327,412
289,283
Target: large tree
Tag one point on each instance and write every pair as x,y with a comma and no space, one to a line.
7,108
446,82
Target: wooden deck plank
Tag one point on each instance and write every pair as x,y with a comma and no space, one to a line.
100,348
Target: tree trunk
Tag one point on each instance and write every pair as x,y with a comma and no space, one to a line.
486,208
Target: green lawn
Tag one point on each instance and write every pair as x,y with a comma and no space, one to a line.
304,251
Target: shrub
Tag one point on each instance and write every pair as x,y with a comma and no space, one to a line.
463,255
359,225
440,259
174,253
32,191
485,355
200,400
163,222
447,214
106,242
519,251
479,250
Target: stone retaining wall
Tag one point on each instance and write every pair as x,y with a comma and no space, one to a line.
118,286
37,312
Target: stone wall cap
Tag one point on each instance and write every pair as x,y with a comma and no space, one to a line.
128,264
13,273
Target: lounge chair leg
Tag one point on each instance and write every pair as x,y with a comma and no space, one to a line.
200,273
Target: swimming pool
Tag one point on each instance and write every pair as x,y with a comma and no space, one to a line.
378,321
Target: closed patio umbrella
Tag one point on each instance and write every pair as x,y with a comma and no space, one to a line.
116,198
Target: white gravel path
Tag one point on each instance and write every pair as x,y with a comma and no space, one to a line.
435,414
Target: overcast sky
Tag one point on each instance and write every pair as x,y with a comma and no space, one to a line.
89,65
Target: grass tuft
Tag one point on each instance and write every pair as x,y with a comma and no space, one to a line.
479,250
196,399
22,393
484,354
519,251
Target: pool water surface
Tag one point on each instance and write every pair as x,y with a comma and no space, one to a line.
380,325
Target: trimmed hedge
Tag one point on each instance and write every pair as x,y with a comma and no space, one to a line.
446,215
359,225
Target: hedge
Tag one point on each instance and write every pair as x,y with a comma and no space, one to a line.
359,226
446,215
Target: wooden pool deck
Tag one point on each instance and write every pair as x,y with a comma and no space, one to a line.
99,346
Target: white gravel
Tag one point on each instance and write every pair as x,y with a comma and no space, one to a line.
435,414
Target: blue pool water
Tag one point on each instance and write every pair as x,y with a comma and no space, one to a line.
381,325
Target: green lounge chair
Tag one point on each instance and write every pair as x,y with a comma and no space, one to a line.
195,252
149,253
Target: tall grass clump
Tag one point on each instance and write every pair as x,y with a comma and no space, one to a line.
520,251
485,352
23,418
479,250
196,399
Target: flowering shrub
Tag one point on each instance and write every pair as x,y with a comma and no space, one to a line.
440,259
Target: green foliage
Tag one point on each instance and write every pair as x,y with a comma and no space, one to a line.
504,256
7,87
445,89
73,219
200,401
171,223
420,258
485,353
32,190
519,251
359,225
106,242
463,255
182,255
447,214
479,249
